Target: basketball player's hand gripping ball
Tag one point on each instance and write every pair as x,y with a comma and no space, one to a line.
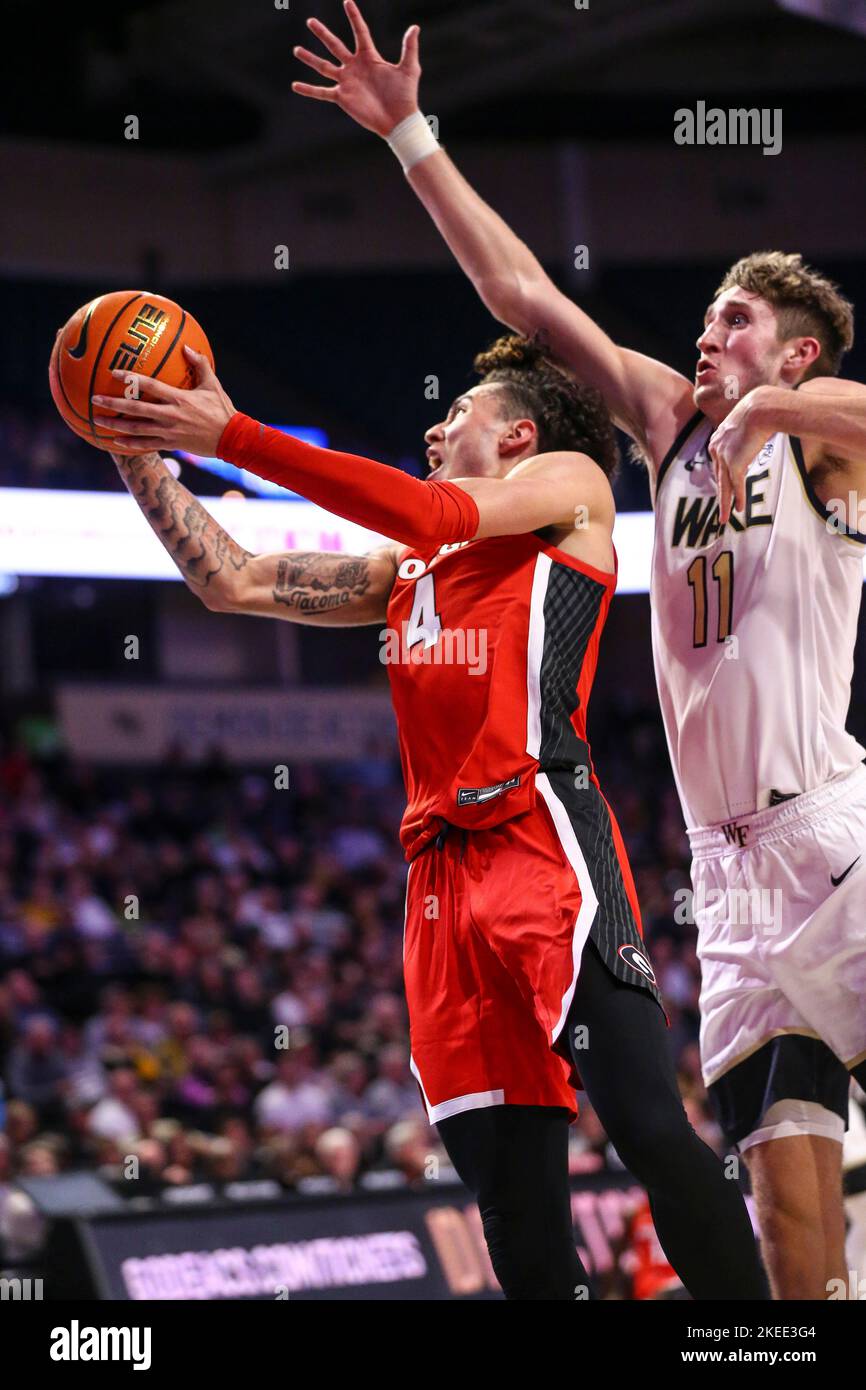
376,94
133,335
156,416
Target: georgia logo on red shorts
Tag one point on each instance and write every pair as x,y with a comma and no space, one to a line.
635,958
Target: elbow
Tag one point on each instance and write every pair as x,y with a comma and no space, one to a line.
503,296
215,600
512,300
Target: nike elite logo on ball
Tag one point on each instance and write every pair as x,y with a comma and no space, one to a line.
836,881
81,346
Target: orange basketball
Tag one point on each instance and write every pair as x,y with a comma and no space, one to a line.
131,330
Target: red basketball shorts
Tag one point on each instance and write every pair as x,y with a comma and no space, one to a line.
496,921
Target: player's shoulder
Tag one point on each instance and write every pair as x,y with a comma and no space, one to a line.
561,464
831,386
822,462
579,474
672,431
581,487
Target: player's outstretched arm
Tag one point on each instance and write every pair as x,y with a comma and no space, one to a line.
204,421
641,393
302,586
539,492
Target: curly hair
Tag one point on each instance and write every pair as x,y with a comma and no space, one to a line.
567,414
807,304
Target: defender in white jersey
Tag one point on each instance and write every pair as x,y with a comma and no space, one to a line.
753,627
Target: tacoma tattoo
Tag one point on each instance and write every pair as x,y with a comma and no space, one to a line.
200,548
314,583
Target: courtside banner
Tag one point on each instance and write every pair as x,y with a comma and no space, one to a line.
102,535
145,724
388,1246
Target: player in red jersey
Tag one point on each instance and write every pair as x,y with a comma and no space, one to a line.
779,1042
524,962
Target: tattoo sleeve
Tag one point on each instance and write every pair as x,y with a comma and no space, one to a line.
205,554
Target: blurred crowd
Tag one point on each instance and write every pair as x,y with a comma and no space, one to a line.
39,450
200,975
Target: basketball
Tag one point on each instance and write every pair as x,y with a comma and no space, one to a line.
131,330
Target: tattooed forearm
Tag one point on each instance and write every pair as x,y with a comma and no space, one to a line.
314,583
301,586
203,552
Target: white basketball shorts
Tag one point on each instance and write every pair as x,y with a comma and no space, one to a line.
780,907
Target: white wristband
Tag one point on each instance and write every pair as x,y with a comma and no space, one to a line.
412,140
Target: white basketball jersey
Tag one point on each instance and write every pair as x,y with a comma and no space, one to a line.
753,629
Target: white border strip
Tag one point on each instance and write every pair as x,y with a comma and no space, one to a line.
476,1100
534,650
588,899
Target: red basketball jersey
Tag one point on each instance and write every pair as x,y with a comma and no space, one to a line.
491,650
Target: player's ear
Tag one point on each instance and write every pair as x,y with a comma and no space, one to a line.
519,435
802,354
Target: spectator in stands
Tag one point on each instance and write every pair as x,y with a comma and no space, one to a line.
296,1096
113,1116
393,1094
36,1071
339,1154
413,1148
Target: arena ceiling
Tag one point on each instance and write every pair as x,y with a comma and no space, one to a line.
213,76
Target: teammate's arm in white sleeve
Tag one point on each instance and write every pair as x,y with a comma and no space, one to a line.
647,399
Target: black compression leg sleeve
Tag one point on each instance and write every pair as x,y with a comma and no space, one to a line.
625,1062
514,1160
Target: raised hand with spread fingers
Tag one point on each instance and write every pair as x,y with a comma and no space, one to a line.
375,93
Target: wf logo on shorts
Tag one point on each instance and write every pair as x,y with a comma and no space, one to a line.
737,126
736,834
